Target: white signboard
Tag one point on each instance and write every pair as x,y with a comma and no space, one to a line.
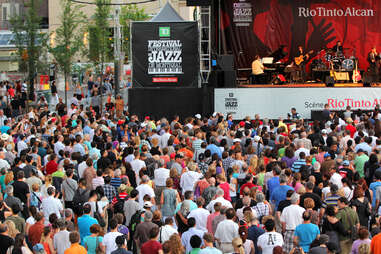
273,103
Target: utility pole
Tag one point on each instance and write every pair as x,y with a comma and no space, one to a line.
117,48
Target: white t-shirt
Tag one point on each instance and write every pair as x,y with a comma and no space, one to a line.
293,216
201,216
143,190
268,241
137,165
109,241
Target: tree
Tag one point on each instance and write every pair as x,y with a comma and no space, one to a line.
69,38
130,13
30,42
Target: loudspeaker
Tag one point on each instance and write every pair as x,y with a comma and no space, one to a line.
199,2
222,79
225,62
329,81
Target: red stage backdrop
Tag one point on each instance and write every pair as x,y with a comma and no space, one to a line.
250,27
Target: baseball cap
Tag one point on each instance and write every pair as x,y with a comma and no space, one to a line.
327,155
236,140
198,116
38,248
147,204
242,123
345,163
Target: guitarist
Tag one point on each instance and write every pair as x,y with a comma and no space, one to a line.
301,68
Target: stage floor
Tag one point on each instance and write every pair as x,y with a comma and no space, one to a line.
307,85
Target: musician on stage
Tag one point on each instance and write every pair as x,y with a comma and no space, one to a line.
338,49
374,62
258,73
301,68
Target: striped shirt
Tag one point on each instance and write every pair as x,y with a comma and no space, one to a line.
297,165
116,182
331,200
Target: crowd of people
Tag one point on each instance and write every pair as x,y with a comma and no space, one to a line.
80,180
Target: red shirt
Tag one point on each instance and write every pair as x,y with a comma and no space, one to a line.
51,167
35,232
352,129
151,247
225,187
249,185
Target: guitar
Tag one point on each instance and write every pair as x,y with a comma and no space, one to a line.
300,59
356,77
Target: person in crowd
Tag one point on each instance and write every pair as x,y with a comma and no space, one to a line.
75,248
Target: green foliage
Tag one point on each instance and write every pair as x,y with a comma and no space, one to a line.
68,39
99,32
130,13
30,41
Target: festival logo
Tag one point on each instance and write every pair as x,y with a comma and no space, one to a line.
165,56
242,12
231,104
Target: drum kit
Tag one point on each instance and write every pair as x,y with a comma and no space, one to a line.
329,59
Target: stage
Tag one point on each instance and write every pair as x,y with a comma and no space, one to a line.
312,85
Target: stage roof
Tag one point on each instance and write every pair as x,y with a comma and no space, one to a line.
167,14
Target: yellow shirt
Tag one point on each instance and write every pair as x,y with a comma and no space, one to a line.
257,67
75,248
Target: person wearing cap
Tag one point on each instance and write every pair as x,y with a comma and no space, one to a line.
143,229
345,171
360,160
327,164
349,219
51,205
121,242
61,240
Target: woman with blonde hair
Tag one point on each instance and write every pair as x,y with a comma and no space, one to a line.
238,246
176,245
9,177
12,231
253,163
44,187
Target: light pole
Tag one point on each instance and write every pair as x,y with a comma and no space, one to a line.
117,53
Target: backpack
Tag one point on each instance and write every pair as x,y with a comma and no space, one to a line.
119,205
135,220
35,200
79,200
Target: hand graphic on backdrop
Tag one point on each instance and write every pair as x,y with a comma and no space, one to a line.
321,36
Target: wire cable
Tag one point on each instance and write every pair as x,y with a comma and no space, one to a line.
92,3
